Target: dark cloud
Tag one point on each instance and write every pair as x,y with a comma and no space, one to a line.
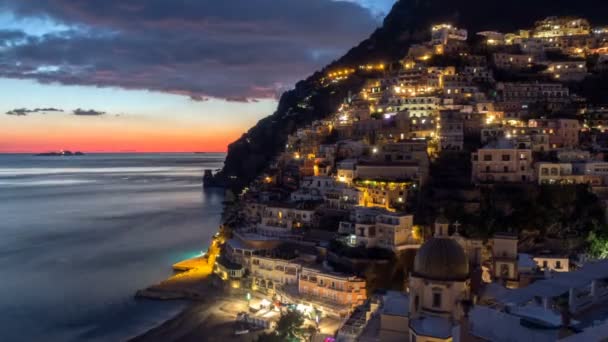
198,98
25,111
9,37
237,50
89,112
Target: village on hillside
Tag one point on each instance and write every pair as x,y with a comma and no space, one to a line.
459,196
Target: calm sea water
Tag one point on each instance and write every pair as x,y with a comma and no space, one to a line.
79,236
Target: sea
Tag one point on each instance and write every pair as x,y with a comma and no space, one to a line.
80,235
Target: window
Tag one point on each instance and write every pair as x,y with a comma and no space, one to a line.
487,157
416,303
487,169
558,265
506,157
506,169
545,264
436,300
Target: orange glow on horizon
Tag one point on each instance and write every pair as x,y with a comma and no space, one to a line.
110,137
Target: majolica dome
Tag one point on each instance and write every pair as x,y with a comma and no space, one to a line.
441,259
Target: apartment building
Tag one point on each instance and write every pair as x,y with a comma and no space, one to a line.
332,288
373,227
567,70
503,161
510,61
279,220
450,131
268,273
562,132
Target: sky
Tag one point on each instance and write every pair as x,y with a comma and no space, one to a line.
160,75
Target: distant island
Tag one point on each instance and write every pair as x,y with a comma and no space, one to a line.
60,154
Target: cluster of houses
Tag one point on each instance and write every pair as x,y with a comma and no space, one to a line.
341,197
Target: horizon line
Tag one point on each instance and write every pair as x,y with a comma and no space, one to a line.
115,152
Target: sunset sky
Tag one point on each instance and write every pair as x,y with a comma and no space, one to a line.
159,75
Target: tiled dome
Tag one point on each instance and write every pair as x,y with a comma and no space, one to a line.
441,259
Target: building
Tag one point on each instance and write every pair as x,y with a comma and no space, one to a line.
346,171
554,263
451,131
443,33
502,161
438,287
566,173
381,228
419,106
552,27
391,171
228,270
531,92
268,273
339,291
505,259
343,198
512,61
567,70
562,132
382,194
394,317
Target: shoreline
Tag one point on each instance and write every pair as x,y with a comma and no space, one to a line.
215,313
192,281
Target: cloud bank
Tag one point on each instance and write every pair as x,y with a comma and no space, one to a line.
236,50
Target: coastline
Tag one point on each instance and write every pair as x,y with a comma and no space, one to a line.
210,309
208,320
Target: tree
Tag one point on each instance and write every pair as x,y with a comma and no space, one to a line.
598,245
290,328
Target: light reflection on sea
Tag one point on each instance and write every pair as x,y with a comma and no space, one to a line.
79,235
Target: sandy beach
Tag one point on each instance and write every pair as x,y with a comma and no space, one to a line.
212,320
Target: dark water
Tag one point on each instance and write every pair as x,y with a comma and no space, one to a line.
79,235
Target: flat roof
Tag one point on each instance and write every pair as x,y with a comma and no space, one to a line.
396,304
494,325
432,326
558,284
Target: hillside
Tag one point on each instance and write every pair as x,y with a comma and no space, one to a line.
409,21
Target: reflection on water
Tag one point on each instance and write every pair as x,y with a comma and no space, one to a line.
79,235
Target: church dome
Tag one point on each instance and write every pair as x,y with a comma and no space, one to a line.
441,259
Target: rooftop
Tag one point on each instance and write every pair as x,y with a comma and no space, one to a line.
432,326
559,284
396,304
228,264
494,325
